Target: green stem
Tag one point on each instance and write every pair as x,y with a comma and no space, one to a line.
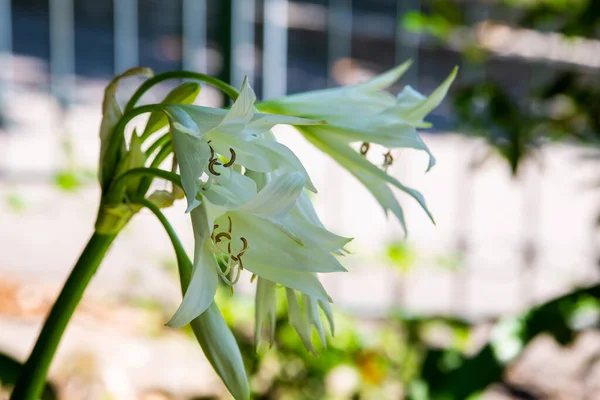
158,143
160,157
118,187
33,375
183,261
144,87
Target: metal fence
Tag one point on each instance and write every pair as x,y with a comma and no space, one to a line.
288,46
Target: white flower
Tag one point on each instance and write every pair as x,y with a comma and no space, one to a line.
368,114
266,235
210,140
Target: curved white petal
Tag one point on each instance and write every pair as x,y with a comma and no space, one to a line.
264,122
241,111
192,154
203,284
260,155
311,309
371,176
387,79
277,198
270,243
414,110
265,309
304,282
298,321
326,307
314,234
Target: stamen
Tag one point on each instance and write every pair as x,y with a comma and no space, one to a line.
232,160
364,148
245,244
388,159
229,218
212,152
237,277
211,167
220,235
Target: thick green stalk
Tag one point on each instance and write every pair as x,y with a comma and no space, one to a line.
33,375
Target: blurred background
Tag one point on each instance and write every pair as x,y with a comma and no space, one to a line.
500,300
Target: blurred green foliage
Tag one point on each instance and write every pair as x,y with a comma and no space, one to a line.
560,101
405,356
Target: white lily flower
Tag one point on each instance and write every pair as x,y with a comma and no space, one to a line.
210,140
262,236
366,113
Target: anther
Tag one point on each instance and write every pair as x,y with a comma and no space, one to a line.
211,167
232,160
220,235
388,159
229,218
364,148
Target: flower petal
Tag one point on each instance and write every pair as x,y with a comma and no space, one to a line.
363,99
387,79
265,309
298,321
277,198
264,122
414,110
326,307
316,235
241,111
304,282
366,172
271,243
192,153
260,155
312,313
203,284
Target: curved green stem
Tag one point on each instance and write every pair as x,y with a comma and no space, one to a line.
159,142
160,157
183,261
224,87
33,375
119,185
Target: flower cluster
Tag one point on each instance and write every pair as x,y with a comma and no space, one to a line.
246,193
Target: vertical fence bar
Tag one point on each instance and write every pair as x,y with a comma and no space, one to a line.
407,43
6,76
339,34
62,50
242,39
62,74
194,35
125,14
275,48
